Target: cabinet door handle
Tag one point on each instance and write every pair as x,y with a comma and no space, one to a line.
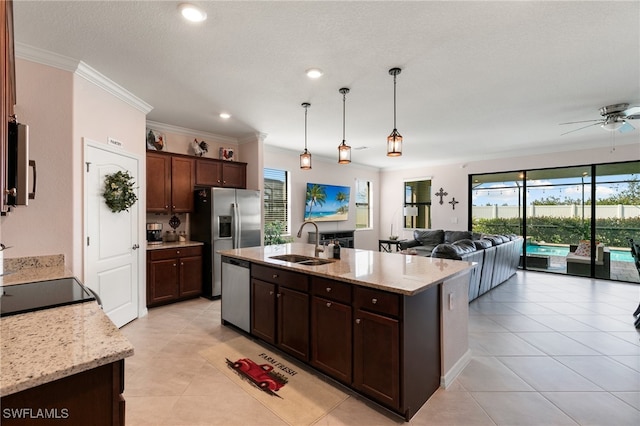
166,207
181,263
374,301
274,276
328,289
278,295
174,207
357,320
177,251
328,304
174,265
270,293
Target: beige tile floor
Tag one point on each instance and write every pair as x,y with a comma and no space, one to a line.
547,350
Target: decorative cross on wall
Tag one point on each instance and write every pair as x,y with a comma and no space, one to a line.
453,202
441,194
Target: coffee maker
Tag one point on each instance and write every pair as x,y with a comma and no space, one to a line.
154,233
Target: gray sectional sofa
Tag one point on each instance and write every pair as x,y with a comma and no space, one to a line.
497,256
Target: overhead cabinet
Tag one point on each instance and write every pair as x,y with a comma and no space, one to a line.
225,174
170,182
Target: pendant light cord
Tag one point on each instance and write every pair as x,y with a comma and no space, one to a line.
394,101
305,128
344,97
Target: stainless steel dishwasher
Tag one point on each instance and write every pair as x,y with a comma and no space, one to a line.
236,293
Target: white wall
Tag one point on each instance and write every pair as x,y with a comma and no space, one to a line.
62,108
45,102
328,172
453,178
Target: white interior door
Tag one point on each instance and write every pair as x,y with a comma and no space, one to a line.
111,244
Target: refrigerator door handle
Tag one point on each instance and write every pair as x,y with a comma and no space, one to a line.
236,225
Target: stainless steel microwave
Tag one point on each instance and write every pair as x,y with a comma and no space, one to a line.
20,170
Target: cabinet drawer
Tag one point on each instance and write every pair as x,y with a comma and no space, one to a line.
174,252
376,301
282,277
334,290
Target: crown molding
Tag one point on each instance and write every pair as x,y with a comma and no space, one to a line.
44,57
210,137
258,136
65,63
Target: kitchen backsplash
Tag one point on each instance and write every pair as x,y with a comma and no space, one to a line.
164,220
18,263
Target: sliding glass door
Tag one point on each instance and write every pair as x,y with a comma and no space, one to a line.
576,220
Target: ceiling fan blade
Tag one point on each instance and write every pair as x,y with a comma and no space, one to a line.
583,121
575,130
632,113
626,127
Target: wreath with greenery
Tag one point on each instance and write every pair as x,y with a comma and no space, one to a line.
118,191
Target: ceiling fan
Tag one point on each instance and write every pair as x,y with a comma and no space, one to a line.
614,117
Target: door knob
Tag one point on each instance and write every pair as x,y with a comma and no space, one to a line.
135,247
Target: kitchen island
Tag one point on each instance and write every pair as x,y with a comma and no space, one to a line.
391,326
64,363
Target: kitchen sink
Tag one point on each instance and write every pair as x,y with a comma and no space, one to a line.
301,260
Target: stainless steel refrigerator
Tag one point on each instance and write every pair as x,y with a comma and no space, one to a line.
224,219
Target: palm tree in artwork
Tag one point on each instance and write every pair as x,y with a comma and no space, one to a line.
316,195
342,198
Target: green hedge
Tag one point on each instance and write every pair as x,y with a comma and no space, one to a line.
611,231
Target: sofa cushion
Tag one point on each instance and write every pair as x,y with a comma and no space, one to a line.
495,240
429,237
482,243
465,246
453,236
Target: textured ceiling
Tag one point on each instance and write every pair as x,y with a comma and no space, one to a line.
479,80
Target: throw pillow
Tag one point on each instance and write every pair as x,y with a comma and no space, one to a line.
584,248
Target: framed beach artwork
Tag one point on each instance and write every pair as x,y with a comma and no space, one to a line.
156,140
326,203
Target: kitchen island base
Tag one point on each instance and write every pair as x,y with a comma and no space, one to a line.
92,397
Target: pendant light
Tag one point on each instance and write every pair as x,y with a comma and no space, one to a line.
305,157
344,150
394,140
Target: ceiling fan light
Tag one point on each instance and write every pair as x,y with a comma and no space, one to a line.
612,125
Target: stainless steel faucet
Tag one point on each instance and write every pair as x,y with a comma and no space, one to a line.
317,249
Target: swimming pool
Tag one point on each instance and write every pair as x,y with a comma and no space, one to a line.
616,255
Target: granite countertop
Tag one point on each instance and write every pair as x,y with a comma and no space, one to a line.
43,346
176,244
393,272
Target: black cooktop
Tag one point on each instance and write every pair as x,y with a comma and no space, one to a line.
29,297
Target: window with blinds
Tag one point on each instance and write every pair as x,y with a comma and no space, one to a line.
363,205
276,197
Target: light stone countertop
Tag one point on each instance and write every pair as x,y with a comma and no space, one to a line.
393,272
43,346
176,244
46,345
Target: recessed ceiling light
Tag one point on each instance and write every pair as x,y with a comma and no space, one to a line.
192,13
314,73
225,115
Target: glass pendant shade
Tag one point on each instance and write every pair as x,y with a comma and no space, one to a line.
305,157
305,160
344,153
394,144
394,140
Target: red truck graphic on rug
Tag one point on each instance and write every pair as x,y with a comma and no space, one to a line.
260,375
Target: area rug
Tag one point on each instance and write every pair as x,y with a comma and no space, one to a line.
296,396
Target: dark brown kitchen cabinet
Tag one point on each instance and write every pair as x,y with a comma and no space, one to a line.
91,397
280,309
376,345
173,274
331,329
263,310
8,92
211,172
170,182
